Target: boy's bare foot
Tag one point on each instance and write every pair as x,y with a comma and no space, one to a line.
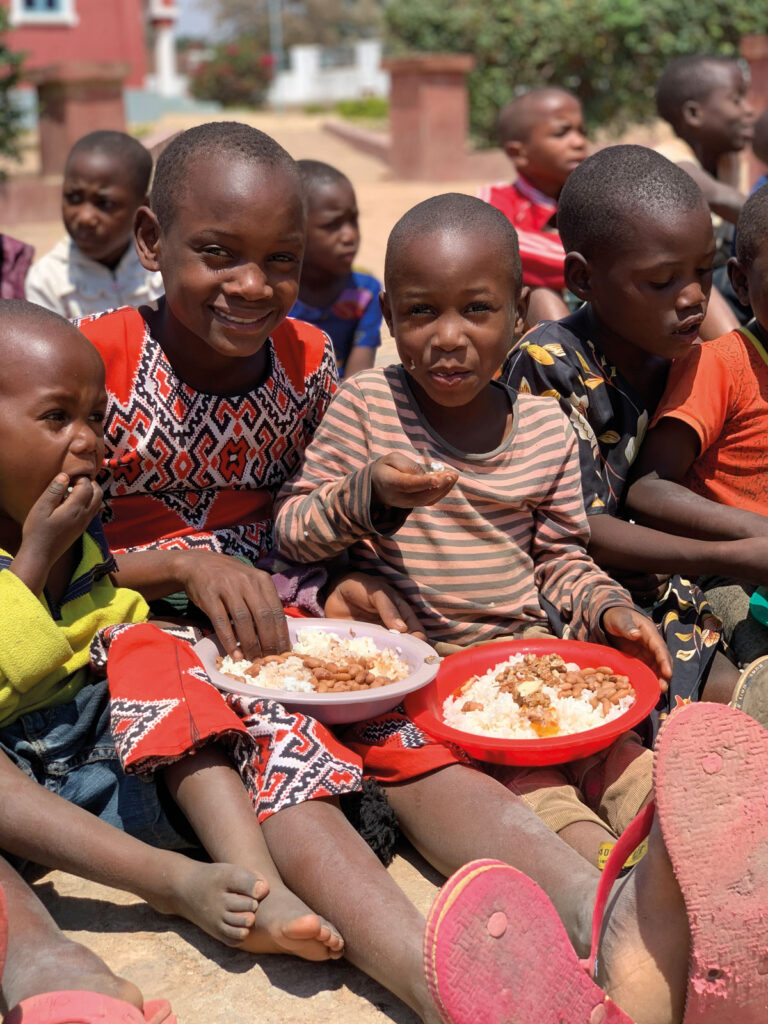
284,924
222,899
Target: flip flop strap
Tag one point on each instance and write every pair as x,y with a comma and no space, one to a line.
629,840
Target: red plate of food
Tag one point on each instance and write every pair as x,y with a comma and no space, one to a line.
535,702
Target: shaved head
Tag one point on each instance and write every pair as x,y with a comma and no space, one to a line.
517,118
31,334
462,216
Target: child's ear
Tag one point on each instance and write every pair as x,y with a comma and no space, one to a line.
691,113
146,232
517,153
578,275
522,310
386,311
739,281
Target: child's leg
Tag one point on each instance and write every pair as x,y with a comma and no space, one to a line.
42,959
38,825
326,862
212,795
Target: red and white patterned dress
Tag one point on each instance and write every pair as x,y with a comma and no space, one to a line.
190,469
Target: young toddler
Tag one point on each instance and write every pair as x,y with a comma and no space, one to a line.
106,179
704,99
342,301
542,133
64,627
703,470
640,252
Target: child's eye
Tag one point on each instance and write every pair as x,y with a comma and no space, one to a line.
54,416
216,251
97,417
479,307
419,309
660,285
73,198
107,205
284,257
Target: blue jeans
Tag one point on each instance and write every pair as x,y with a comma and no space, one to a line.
69,749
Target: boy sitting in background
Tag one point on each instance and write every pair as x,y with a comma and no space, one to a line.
542,133
709,437
341,301
106,179
704,99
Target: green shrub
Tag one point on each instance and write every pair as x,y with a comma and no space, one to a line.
236,75
610,52
369,108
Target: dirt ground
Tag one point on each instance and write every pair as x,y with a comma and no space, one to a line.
206,983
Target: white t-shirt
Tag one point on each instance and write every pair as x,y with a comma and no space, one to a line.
69,283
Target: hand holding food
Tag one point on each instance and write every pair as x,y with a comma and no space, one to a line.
399,482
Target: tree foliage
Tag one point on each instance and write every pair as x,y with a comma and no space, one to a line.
328,22
610,52
10,115
235,75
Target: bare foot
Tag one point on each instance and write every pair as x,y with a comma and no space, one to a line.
222,899
644,950
284,924
68,966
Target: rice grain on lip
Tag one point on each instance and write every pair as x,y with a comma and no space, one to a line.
482,706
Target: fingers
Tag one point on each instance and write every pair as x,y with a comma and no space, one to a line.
395,613
624,623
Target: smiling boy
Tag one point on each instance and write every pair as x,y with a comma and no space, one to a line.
106,178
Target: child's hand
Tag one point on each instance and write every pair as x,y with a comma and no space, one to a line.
399,482
368,599
240,601
636,635
52,526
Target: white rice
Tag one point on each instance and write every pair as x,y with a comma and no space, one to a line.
503,718
293,675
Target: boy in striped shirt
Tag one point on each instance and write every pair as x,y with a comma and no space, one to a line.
463,496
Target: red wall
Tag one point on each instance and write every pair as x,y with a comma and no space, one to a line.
108,30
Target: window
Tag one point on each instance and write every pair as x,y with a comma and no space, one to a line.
43,12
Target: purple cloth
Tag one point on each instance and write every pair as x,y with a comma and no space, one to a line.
297,586
16,259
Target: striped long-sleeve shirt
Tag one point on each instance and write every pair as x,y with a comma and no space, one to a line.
473,565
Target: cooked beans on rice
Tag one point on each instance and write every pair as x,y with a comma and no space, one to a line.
321,662
529,697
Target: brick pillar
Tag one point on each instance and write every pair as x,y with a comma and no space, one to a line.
76,97
429,115
754,49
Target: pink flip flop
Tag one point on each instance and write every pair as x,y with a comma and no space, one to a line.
496,951
86,1008
711,782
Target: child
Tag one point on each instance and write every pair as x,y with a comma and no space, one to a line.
106,179
471,543
542,133
56,722
704,99
640,251
226,228
342,301
709,436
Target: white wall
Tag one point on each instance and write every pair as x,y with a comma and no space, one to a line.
307,81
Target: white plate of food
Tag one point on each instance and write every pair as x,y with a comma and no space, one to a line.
338,670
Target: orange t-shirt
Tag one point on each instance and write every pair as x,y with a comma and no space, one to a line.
720,389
